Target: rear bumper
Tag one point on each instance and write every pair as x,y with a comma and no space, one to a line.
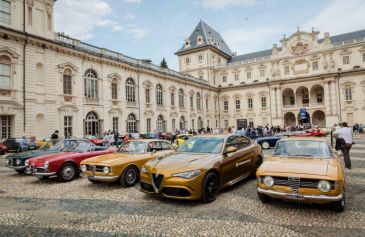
324,198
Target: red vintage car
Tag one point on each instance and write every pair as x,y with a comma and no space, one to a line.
95,140
313,133
65,165
3,149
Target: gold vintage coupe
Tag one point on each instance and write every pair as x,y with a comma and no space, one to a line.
124,165
303,169
201,167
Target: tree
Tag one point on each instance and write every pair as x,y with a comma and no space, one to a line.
163,63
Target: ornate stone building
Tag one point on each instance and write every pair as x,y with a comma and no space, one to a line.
50,81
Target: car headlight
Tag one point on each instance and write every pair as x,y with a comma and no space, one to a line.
46,165
17,161
26,163
83,168
324,186
144,170
268,181
188,174
106,170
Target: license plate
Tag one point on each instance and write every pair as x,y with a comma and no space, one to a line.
295,196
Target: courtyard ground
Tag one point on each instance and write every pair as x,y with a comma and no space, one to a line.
29,207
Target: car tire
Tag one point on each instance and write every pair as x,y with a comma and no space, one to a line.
265,145
264,198
210,187
129,177
339,206
67,172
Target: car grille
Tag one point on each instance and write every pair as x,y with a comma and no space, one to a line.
294,181
12,162
147,187
176,192
94,168
157,180
39,170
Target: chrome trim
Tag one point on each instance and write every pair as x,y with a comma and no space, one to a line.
103,178
45,174
17,167
308,197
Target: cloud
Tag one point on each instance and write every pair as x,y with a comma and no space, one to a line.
138,33
221,4
132,1
129,16
340,16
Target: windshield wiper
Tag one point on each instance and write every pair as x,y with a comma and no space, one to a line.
308,155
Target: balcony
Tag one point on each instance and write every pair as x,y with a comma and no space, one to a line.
91,101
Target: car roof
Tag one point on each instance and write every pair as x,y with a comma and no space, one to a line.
304,139
149,140
220,135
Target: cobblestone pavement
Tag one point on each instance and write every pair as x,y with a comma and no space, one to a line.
29,207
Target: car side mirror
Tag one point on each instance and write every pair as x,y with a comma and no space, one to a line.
153,151
230,149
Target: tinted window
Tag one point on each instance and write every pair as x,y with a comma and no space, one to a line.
202,145
166,146
242,142
155,146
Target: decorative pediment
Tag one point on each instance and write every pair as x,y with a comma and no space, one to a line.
206,95
114,75
149,113
314,57
30,3
115,111
68,108
147,83
191,92
300,48
172,88
362,49
192,115
249,95
173,114
225,97
348,84
248,69
68,65
261,66
346,52
10,53
237,96
286,62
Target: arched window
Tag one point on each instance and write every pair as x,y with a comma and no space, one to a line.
181,98
91,84
5,72
130,90
192,100
67,82
5,9
40,72
182,122
160,124
92,124
148,94
200,123
114,90
159,95
131,124
198,101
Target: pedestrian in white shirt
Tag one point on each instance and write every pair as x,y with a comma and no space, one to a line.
346,134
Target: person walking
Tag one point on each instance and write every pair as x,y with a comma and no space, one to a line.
54,136
116,139
346,134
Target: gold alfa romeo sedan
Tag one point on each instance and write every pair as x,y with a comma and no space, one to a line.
124,165
305,170
201,167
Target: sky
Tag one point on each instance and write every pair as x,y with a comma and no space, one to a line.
153,29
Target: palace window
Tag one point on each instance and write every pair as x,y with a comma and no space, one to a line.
5,74
160,124
148,95
319,98
187,60
200,123
130,91
250,103
206,103
363,57
67,82
159,95
305,99
172,95
115,124
262,73
173,124
5,8
198,101
91,84
225,105
346,60
191,101
131,124
215,104
315,66
286,70
216,123
225,124
224,78
249,75
236,77
193,124
200,58
263,102
214,79
182,122
114,90
67,126
149,125
5,127
181,98
201,77
238,104
348,94
292,100
250,123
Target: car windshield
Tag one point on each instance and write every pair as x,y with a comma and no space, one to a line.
202,145
65,145
133,147
302,148
82,147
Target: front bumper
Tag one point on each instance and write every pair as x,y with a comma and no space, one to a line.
23,167
312,198
100,178
46,173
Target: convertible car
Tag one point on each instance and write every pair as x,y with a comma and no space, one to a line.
17,161
125,164
64,165
267,142
303,169
201,167
181,138
3,149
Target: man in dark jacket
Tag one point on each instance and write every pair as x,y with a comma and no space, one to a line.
54,136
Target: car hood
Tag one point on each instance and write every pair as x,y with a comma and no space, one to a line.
114,158
311,166
31,154
181,162
53,157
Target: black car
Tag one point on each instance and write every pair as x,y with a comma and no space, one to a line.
19,144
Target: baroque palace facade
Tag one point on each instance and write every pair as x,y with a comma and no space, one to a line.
50,81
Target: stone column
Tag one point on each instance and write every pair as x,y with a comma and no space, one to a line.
327,98
279,102
334,98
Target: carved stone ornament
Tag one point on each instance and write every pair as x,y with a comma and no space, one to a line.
300,48
30,3
49,6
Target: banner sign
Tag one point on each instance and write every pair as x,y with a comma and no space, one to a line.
303,113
